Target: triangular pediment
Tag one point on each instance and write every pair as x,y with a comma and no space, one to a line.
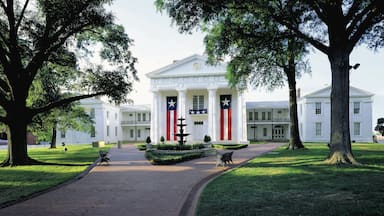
326,93
195,65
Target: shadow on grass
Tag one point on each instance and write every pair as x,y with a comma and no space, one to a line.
299,183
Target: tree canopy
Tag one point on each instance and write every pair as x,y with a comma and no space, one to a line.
73,48
332,27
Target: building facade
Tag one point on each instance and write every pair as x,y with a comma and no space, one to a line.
106,127
314,111
199,93
268,121
135,122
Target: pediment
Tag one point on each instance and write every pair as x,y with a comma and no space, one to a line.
195,65
326,93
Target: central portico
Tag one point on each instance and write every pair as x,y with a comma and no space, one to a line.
198,92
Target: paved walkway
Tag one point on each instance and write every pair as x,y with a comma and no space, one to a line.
132,186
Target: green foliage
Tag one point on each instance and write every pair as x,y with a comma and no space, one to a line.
230,146
286,182
207,138
148,140
380,126
179,147
166,159
21,181
141,147
162,139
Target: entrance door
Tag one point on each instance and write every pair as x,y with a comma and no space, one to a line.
278,133
200,129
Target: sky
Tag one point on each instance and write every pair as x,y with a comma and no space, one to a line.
157,43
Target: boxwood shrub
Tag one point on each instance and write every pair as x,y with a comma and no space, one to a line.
166,159
230,146
178,147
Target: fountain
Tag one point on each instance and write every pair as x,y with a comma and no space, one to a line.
181,133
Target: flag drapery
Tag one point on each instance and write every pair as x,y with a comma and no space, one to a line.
225,117
171,118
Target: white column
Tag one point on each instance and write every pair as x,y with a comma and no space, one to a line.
212,113
241,119
181,103
155,117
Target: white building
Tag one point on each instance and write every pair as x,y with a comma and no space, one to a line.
198,92
314,111
135,122
268,120
106,127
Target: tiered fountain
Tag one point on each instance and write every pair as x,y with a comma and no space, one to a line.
181,133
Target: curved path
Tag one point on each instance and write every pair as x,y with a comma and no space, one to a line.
132,186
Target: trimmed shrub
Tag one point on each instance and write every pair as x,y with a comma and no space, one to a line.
207,139
179,147
230,146
166,159
141,147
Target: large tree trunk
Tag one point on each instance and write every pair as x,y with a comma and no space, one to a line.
54,134
17,142
294,140
340,145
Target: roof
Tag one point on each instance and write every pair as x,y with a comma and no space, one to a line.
326,92
267,104
194,65
136,108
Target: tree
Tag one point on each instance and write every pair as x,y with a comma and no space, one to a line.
73,116
332,27
380,126
57,37
260,51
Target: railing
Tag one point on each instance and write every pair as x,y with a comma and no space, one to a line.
131,122
270,120
198,111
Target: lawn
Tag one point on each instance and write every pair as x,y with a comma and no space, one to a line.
20,181
286,182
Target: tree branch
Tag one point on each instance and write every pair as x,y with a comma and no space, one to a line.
21,15
359,18
62,102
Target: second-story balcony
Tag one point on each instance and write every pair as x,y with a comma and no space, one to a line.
276,119
132,122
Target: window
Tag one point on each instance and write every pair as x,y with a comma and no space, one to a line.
356,128
62,134
131,133
115,131
198,123
256,116
92,113
149,118
198,102
318,128
107,114
263,116
115,116
138,133
144,117
93,131
250,116
138,116
269,116
265,132
318,108
107,130
356,107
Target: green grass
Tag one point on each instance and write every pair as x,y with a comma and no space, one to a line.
20,181
286,182
230,146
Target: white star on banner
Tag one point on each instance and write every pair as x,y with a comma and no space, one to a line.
171,103
225,102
